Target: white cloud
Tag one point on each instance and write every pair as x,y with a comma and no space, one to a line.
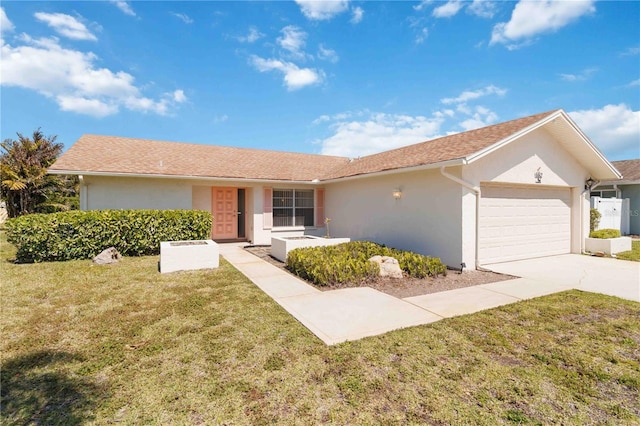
422,35
448,9
294,77
72,80
378,132
615,129
481,117
530,18
357,15
327,54
631,51
634,83
124,7
356,134
66,25
581,76
293,40
474,94
184,18
179,96
482,8
220,118
5,23
423,4
321,10
253,36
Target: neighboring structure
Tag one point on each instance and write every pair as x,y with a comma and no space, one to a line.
510,191
628,187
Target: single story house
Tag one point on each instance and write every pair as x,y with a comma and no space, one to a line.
509,191
628,187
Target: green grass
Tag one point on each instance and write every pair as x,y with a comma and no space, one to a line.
634,254
85,344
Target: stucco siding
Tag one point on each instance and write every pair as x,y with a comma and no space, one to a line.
518,162
135,193
426,219
201,198
633,193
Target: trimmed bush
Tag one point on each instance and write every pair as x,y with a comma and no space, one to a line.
349,262
605,233
84,234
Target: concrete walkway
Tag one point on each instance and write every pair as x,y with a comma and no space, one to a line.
353,313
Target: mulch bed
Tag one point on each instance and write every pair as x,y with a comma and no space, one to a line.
406,287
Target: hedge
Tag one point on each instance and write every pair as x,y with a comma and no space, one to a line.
84,234
349,262
605,233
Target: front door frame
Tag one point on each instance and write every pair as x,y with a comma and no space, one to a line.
224,208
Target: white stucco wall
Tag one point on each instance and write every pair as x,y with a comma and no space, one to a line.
426,219
517,163
135,193
201,197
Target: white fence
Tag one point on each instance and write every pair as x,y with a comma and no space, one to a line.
614,211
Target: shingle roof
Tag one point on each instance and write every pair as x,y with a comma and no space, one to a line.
109,154
446,148
117,155
630,169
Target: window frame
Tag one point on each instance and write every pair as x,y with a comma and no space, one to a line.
294,206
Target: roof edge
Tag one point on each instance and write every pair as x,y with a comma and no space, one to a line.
494,147
454,162
184,177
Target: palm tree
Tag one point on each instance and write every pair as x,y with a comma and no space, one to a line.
25,184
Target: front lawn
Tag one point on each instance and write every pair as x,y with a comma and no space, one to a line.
634,254
122,343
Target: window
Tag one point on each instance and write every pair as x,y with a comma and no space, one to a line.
292,207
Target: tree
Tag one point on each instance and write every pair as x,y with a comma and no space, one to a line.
26,186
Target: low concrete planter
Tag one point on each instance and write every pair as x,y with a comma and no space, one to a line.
281,246
608,245
188,255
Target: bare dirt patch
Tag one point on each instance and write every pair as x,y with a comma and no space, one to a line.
406,287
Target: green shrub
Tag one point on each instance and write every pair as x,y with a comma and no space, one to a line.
349,262
605,233
594,219
84,234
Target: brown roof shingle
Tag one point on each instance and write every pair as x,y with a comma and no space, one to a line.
630,169
446,148
109,154
117,155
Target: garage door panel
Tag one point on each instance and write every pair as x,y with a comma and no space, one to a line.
523,222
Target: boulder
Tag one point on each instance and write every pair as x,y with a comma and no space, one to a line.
389,266
110,255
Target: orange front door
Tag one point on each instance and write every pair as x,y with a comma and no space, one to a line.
224,207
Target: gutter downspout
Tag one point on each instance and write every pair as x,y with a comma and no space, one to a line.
582,237
83,193
478,194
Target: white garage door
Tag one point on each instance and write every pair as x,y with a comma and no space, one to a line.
523,222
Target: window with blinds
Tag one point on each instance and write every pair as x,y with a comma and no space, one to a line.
293,207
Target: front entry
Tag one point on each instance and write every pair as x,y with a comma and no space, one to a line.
224,207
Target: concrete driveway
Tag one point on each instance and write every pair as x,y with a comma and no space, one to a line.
614,277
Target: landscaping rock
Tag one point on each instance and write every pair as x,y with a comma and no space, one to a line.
110,255
389,266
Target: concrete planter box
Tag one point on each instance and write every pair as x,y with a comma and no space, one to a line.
188,255
608,245
281,246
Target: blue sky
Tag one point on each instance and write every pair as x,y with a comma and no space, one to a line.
334,77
